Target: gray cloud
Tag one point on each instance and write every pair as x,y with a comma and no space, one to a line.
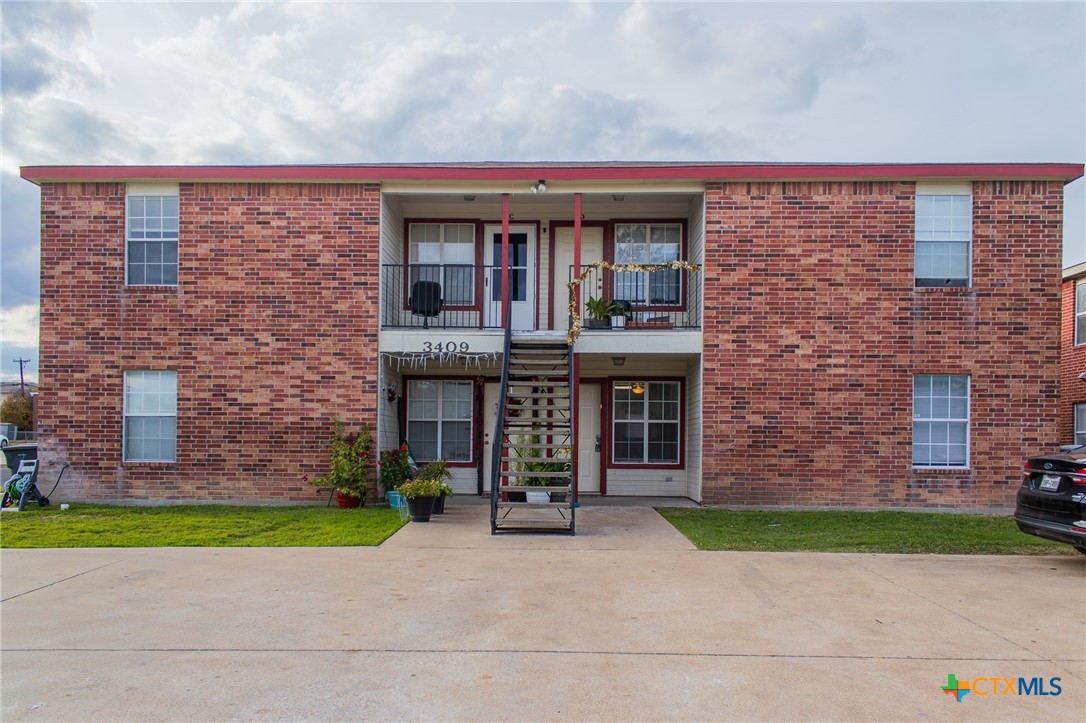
38,40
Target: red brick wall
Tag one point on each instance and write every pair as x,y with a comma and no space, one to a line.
272,329
814,330
1072,363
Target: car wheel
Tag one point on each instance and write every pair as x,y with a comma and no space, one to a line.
1080,549
3,443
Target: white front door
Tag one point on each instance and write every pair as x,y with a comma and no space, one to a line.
588,435
490,418
522,276
591,252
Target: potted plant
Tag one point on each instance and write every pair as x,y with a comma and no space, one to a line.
438,471
532,461
395,466
599,312
420,494
350,470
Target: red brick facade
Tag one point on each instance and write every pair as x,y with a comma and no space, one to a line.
271,329
814,330
1072,363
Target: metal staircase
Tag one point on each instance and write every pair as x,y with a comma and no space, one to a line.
533,480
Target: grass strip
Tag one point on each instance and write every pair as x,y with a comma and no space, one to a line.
89,525
924,533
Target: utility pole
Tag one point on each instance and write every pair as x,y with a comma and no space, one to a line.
22,382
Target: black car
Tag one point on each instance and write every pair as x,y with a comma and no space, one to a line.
1052,498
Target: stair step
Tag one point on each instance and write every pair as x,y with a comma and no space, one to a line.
533,506
537,425
554,475
557,445
539,362
544,488
557,523
527,392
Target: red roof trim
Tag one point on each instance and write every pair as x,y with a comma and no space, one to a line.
1066,172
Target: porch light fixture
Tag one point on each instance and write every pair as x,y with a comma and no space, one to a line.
617,197
618,360
637,388
469,198
540,186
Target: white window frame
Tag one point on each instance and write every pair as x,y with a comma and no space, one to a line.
1080,311
934,236
646,421
646,301
440,419
168,235
443,264
159,410
932,418
1080,423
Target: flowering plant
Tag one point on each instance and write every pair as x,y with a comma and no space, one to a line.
350,462
395,466
439,472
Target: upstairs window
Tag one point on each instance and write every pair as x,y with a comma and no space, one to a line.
944,227
649,243
1080,312
940,420
151,228
445,253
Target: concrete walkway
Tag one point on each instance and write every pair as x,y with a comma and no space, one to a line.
446,622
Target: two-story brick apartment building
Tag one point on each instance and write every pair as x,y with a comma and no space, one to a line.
1072,420
818,334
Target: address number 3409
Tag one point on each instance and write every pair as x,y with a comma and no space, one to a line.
446,347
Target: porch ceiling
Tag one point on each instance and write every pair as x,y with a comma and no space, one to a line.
549,205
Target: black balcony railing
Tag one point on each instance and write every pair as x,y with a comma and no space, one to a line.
659,299
466,296
445,296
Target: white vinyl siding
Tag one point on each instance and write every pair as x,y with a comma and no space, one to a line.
150,416
940,420
943,239
439,420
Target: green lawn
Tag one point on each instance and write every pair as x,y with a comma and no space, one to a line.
86,525
846,531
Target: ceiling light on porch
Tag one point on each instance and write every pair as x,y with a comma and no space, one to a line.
617,197
618,360
637,388
540,186
469,198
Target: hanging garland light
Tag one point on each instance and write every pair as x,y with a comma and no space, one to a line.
419,359
575,324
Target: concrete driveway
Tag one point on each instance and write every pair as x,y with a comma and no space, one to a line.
625,621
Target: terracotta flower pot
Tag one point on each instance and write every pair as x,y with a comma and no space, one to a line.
346,501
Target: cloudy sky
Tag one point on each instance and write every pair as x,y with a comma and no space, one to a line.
214,83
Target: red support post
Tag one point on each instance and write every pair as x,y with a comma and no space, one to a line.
506,318
575,361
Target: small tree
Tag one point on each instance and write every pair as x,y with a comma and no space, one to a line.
16,409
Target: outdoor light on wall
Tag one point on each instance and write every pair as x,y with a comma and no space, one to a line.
540,186
392,394
618,360
637,388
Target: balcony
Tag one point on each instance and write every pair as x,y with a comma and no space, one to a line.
468,296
